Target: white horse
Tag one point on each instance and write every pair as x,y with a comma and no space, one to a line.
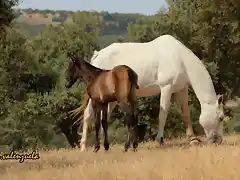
164,65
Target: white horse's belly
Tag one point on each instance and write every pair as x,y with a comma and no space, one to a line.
180,82
147,91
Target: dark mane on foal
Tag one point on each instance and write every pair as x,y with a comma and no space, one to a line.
78,68
81,63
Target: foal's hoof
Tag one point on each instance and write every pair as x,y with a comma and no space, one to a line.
126,146
96,148
106,146
126,149
135,145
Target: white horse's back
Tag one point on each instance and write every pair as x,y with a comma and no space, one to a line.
163,49
156,62
159,61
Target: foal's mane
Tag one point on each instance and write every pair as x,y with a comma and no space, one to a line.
84,65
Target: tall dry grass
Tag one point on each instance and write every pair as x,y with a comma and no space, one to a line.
176,161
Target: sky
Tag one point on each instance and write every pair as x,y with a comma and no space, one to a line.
147,7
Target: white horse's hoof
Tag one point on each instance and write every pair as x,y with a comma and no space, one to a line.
83,148
194,141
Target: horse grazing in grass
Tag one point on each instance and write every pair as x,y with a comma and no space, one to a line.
164,66
105,86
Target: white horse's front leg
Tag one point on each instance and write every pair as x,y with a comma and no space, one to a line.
166,93
182,98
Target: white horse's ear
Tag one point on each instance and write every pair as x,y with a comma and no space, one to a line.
220,99
95,52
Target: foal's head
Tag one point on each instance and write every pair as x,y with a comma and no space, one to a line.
74,71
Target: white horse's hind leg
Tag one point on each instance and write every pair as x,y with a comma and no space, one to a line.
88,113
166,93
182,98
111,106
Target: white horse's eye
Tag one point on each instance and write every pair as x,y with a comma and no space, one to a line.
221,119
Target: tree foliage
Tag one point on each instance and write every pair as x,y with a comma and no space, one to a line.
6,12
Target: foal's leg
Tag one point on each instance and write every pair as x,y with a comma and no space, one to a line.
166,93
131,122
134,123
104,119
97,110
88,114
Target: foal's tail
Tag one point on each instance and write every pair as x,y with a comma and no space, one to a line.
80,110
133,77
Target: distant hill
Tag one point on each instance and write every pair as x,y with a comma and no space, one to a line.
33,21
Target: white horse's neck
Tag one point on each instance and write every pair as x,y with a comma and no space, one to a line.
199,78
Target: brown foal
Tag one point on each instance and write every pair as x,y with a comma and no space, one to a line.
105,86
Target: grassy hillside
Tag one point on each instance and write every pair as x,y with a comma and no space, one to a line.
169,163
33,21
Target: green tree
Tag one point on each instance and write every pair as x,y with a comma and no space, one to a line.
214,30
34,100
6,12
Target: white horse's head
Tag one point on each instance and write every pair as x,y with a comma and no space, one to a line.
211,119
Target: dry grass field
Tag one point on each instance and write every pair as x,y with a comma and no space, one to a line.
38,19
34,19
175,161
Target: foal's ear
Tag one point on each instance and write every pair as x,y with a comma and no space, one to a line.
69,54
220,99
